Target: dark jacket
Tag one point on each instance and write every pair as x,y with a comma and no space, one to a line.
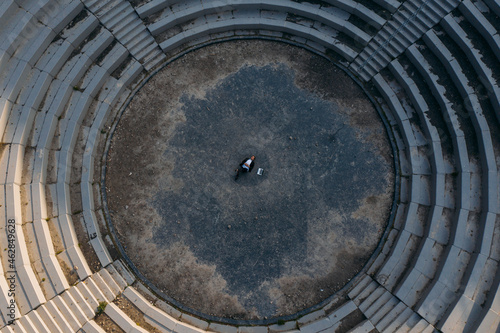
251,164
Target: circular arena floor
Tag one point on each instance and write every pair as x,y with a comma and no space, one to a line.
265,245
309,246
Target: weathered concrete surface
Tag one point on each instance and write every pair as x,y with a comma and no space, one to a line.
265,245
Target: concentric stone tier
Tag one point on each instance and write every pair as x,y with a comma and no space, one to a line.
67,68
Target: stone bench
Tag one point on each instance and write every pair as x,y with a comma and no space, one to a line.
284,6
122,320
48,319
13,78
7,9
422,271
460,37
261,24
359,10
407,244
47,130
155,316
444,289
61,320
92,327
489,320
24,112
51,277
493,5
87,179
390,5
478,263
4,290
487,30
17,29
29,294
38,237
116,90
354,8
74,117
71,127
461,225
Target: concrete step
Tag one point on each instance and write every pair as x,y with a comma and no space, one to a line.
121,319
49,319
92,327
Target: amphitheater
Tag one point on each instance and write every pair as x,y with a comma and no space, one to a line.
68,67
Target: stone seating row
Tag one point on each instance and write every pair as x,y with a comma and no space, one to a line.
419,226
46,140
250,17
81,104
31,294
263,25
72,309
427,244
412,19
400,270
31,39
155,8
336,22
483,26
167,322
483,267
489,221
108,97
41,233
91,86
422,255
87,176
406,242
456,32
438,235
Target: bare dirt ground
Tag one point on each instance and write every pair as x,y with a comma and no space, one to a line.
264,246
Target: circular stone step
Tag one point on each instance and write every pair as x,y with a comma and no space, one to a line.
265,245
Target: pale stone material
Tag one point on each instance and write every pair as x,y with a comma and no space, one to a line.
73,306
37,321
121,319
58,317
81,302
66,312
124,272
27,324
95,290
48,319
221,328
92,327
103,287
122,284
87,295
201,324
252,329
364,327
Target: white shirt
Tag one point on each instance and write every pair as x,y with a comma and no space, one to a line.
247,164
